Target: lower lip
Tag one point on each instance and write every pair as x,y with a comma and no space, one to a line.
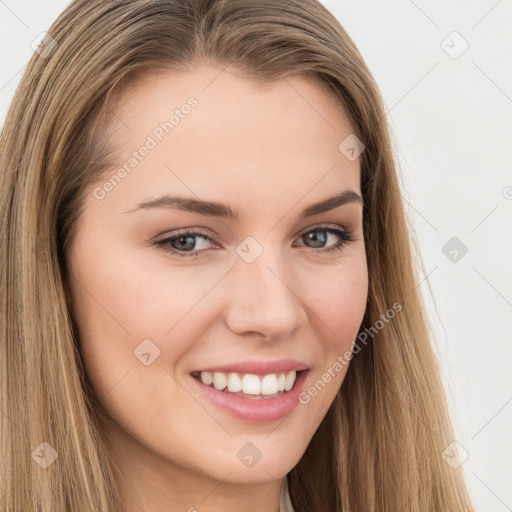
256,411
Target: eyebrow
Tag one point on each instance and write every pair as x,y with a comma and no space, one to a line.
216,209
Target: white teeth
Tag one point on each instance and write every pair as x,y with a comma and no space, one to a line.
269,385
280,382
249,383
234,383
219,380
289,380
207,378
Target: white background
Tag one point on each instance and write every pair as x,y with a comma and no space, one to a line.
452,130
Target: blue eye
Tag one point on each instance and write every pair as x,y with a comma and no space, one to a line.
183,243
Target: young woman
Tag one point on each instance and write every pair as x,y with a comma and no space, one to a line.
209,298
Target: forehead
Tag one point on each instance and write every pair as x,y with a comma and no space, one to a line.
239,136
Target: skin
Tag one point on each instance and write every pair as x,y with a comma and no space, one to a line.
268,151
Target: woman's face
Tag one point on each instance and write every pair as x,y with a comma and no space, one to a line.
263,285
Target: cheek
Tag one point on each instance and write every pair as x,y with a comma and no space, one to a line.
123,301
123,292
340,304
124,311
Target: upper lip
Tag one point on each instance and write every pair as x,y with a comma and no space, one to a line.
258,367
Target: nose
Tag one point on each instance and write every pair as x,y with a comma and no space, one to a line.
264,299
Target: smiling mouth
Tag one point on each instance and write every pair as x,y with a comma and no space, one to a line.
250,386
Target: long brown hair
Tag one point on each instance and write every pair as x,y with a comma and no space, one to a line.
380,445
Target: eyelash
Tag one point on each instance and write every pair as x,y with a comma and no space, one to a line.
345,235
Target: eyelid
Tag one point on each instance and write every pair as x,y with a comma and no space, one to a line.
322,225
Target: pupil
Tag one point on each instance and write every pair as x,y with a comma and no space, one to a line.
315,238
182,240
